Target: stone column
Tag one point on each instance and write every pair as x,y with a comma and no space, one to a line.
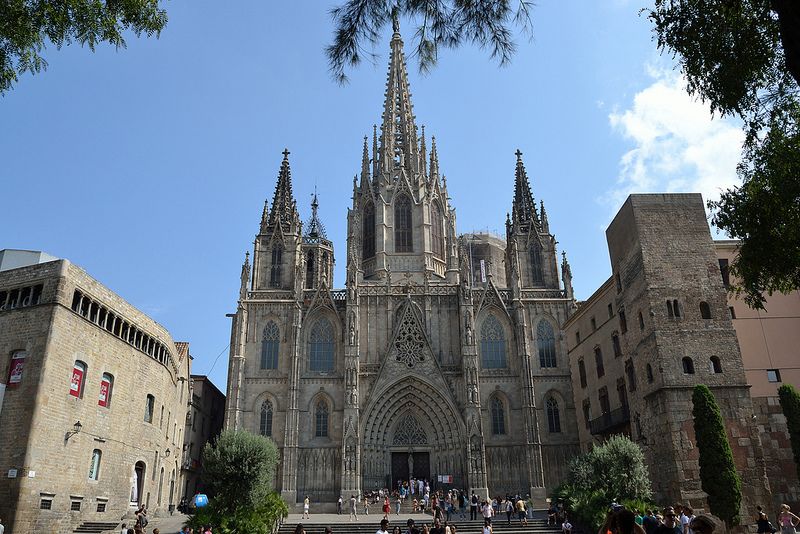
290,450
475,450
351,440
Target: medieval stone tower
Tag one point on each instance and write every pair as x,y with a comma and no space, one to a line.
425,365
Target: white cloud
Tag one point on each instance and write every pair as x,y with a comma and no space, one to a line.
677,145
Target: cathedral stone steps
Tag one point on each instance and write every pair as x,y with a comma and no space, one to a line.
463,527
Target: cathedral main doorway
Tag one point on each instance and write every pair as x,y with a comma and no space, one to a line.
408,465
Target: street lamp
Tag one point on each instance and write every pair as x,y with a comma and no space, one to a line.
76,428
167,453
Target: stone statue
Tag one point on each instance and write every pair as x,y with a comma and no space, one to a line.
410,464
352,334
469,335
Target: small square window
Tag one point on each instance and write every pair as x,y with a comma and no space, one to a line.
578,337
610,311
101,507
594,324
774,375
75,506
46,504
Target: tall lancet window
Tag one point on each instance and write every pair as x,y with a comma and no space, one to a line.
493,344
402,224
537,278
269,346
546,342
320,346
321,420
277,261
553,415
265,428
436,230
368,231
310,270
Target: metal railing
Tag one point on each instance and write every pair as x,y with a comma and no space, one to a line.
610,420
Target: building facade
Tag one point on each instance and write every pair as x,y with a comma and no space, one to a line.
441,357
204,421
769,341
93,408
656,328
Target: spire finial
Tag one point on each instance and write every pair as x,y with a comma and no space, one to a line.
283,205
285,153
395,20
524,208
518,153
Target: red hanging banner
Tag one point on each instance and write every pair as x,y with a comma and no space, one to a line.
15,372
105,386
77,381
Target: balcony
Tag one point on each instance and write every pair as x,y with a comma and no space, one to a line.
610,421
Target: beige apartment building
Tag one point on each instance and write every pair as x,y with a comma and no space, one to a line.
93,397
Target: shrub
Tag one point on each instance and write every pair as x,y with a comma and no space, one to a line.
790,403
238,470
718,475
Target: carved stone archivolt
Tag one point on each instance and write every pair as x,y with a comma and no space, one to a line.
409,344
409,431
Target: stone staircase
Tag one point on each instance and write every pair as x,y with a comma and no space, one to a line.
538,526
96,527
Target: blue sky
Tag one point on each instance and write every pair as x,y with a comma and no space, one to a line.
149,166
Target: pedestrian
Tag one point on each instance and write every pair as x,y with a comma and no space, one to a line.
671,525
649,522
123,528
339,505
566,526
397,505
487,526
686,519
386,508
522,513
328,530
2,527
306,505
437,527
384,524
396,530
487,511
787,520
299,528
156,531
366,505
411,528
353,508
763,523
704,524
473,507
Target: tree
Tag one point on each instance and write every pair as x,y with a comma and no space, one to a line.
27,25
742,57
444,23
790,403
238,469
718,476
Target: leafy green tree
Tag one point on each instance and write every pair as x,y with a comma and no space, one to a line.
443,23
790,403
238,469
742,57
26,26
718,476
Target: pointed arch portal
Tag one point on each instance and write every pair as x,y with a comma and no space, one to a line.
411,429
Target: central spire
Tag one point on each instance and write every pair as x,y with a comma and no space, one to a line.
398,132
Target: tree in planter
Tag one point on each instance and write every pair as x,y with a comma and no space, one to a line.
238,470
790,403
718,476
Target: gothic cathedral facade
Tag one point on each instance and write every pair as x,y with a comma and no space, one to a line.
442,357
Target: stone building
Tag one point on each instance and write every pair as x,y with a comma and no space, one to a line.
769,341
656,328
92,416
430,362
203,424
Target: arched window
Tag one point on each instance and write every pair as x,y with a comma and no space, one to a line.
670,311
310,270
537,277
553,416
277,261
676,308
265,428
148,409
106,388
269,346
546,342
493,344
716,366
649,374
705,310
436,230
78,380
688,366
498,417
368,231
94,467
320,346
402,224
321,420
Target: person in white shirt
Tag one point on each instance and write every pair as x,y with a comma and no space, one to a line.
566,527
123,529
2,528
686,518
384,527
